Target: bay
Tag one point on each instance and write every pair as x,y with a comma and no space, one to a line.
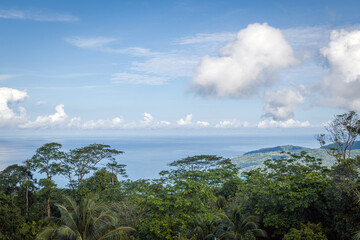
146,156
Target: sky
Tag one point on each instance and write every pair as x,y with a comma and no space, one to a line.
81,67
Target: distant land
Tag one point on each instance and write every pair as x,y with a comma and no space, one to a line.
254,159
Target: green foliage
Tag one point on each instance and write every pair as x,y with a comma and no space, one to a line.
10,219
307,231
29,230
238,226
210,169
288,191
181,194
11,178
88,221
81,161
104,183
342,133
200,197
47,160
342,199
254,160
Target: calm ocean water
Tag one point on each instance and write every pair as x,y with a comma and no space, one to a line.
146,156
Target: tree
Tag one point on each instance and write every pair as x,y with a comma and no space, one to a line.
46,160
173,202
103,183
81,161
116,168
10,219
10,179
288,191
238,226
205,227
307,231
211,169
28,182
342,133
86,221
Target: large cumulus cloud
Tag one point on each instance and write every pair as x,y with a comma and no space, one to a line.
341,86
245,65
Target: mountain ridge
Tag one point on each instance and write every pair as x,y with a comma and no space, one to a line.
254,159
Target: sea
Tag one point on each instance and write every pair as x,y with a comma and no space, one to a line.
146,156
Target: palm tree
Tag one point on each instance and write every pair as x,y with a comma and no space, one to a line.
205,227
237,226
86,221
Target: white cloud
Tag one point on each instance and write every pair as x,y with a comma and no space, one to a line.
147,122
290,123
202,124
281,105
99,124
7,115
57,120
137,79
101,44
341,86
41,102
343,54
231,124
95,42
246,65
148,118
186,121
37,16
134,51
115,123
207,37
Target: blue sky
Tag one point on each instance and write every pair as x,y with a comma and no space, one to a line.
173,66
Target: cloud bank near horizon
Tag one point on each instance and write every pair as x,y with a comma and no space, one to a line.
9,118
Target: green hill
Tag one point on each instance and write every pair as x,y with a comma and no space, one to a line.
254,159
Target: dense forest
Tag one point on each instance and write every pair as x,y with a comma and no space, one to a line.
200,197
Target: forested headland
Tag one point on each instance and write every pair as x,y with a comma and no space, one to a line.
200,197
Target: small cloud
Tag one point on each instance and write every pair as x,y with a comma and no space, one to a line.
137,79
102,44
290,123
41,102
4,77
246,65
231,124
281,105
89,42
57,120
186,121
40,16
134,51
115,123
169,65
147,118
206,38
147,122
202,124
